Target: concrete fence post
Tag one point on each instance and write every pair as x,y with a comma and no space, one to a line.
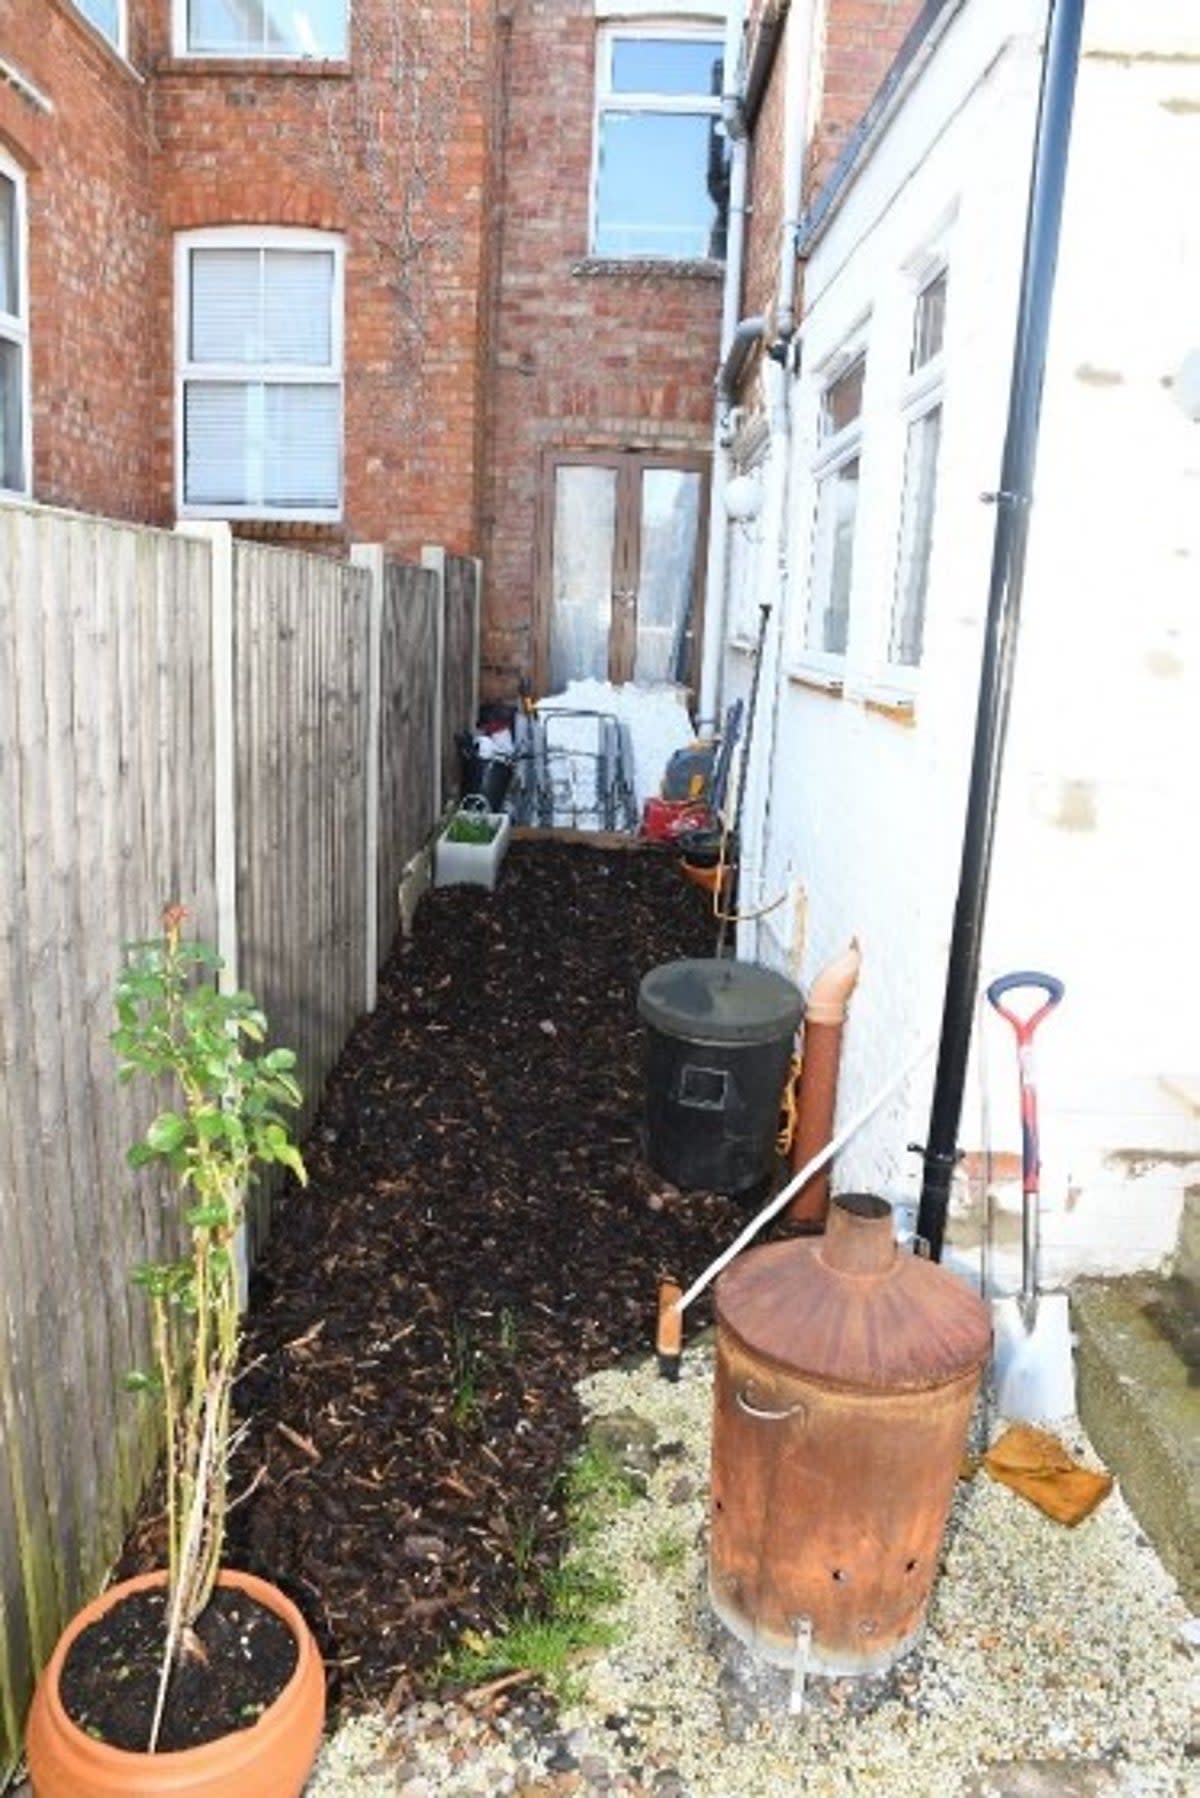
370,556
433,557
219,538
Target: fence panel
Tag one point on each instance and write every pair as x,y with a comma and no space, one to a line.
300,680
105,717
408,677
458,675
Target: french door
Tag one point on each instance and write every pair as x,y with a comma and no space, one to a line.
622,568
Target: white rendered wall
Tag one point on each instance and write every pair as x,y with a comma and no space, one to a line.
1094,875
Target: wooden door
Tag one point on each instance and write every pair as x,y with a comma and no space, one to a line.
623,568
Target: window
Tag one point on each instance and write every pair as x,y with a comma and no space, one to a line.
661,182
294,28
108,16
14,334
837,475
260,373
923,410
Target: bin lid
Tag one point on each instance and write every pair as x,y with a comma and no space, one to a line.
720,1001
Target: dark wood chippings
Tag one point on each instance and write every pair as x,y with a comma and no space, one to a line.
480,1231
109,1682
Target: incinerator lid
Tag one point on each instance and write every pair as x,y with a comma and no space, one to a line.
720,1002
852,1309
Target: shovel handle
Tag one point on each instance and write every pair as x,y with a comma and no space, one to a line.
1008,983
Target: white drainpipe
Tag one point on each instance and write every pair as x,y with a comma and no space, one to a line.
777,384
713,645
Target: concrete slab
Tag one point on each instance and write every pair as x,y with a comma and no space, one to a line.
1138,1375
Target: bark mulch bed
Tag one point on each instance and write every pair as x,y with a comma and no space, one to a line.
479,1232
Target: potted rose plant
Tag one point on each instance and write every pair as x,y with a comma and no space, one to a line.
199,1680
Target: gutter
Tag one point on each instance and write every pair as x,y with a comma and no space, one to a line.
926,33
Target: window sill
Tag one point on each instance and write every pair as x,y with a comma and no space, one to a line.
816,680
649,268
900,708
309,67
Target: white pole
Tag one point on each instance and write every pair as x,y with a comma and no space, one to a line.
370,557
806,1173
434,557
219,538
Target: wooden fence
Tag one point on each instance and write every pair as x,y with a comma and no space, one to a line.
179,719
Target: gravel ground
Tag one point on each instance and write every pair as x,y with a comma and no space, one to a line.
1056,1662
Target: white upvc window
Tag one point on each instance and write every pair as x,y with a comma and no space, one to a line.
660,175
253,28
108,16
259,358
922,412
15,444
836,471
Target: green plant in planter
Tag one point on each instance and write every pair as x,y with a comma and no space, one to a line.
472,827
225,1121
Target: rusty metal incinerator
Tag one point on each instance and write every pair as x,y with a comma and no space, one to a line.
846,1373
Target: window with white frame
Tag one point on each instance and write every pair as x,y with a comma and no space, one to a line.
923,415
14,333
295,28
836,472
259,373
108,16
661,175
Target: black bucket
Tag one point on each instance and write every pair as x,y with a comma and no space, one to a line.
719,1038
490,776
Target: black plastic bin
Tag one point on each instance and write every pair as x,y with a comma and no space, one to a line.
719,1038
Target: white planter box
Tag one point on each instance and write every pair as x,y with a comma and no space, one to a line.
472,864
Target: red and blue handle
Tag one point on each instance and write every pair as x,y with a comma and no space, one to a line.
1024,1028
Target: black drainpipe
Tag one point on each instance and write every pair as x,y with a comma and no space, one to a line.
1012,502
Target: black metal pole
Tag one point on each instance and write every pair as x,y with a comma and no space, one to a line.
1012,502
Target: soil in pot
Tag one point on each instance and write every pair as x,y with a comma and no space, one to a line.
109,1680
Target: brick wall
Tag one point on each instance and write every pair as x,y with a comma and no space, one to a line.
585,355
92,238
391,150
857,45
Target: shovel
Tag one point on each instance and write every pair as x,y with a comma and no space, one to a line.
1032,1369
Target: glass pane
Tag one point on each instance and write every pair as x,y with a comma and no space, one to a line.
268,27
930,325
833,561
12,435
226,321
257,306
916,539
297,307
105,15
660,186
301,459
585,511
10,266
666,579
218,452
841,402
646,65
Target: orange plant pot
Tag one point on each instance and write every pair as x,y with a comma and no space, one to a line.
271,1759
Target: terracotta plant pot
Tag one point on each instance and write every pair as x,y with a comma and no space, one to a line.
271,1759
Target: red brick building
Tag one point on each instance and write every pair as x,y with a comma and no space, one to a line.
445,274
184,186
375,273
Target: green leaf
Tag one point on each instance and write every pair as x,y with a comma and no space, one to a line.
279,1061
140,1154
208,1217
167,1133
